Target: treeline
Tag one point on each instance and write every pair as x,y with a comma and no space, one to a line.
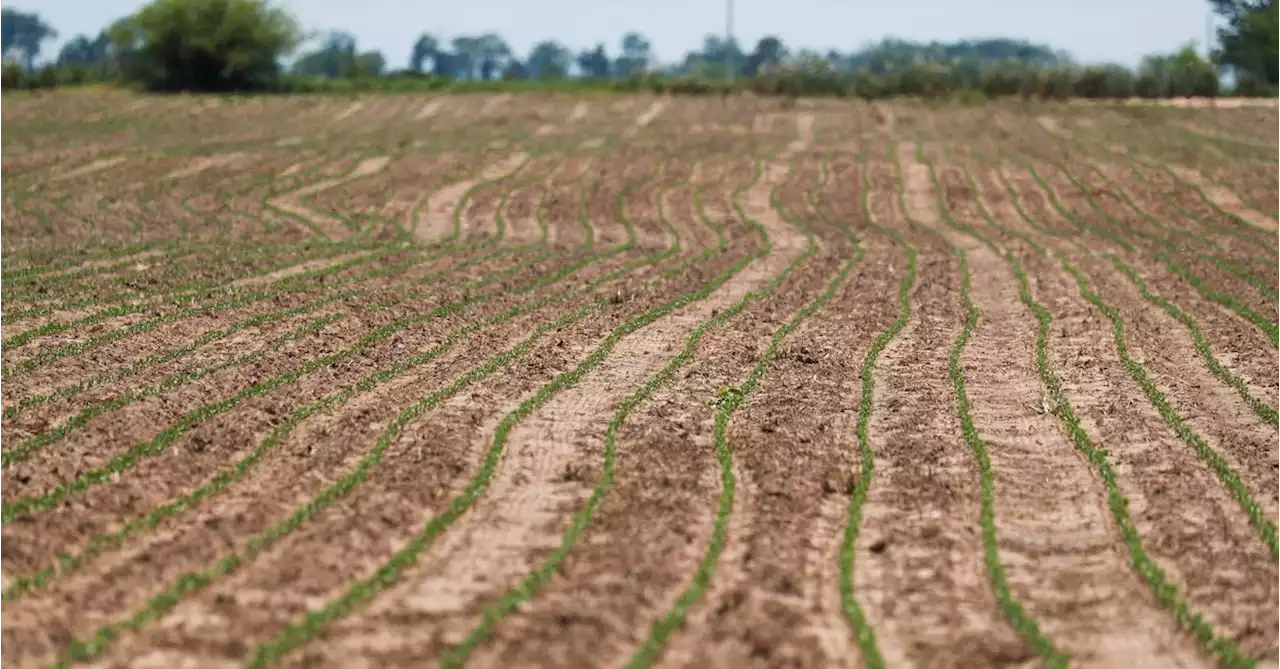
244,45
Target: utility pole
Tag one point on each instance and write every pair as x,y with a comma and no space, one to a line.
1208,35
728,42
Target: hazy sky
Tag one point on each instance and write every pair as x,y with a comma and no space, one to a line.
1091,30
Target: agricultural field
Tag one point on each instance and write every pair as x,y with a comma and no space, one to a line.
600,381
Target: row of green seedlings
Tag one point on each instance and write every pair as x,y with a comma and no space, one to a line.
101,316
1171,248
261,320
255,321
1259,284
156,187
1222,372
29,274
238,297
727,403
863,632
1165,592
1209,292
1249,155
1230,479
1205,213
160,603
1022,622
1215,366
37,441
97,544
364,224
527,587
1202,287
1265,529
305,629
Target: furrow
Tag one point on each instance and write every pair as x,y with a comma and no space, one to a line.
1198,541
1052,527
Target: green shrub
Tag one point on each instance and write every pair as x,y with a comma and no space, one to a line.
205,45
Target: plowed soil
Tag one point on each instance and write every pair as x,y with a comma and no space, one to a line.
537,381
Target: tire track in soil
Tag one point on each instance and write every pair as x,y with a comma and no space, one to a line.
804,128
919,183
1158,335
643,120
1242,349
609,254
355,514
769,604
529,623
106,348
730,356
366,334
428,110
919,569
1057,547
439,222
1225,200
1149,571
1191,525
145,560
495,544
326,225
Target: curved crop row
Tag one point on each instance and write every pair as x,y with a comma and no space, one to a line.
1143,564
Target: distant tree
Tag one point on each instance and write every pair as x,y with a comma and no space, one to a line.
716,56
636,55
206,45
23,32
594,63
892,55
82,50
466,54
425,48
370,64
549,60
493,55
1183,73
515,70
769,53
336,58
445,64
1249,40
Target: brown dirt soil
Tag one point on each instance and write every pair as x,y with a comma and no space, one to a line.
1189,521
1052,545
918,564
138,452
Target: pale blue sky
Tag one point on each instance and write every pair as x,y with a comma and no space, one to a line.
1091,30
